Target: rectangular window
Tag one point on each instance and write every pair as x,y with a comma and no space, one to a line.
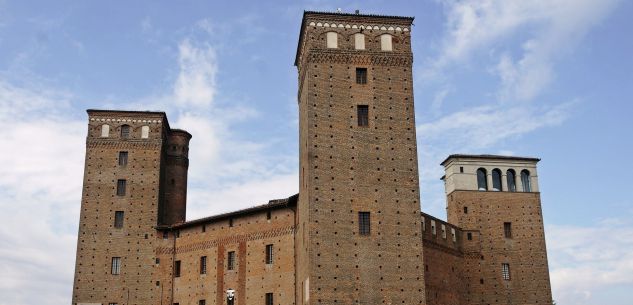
120,187
433,227
202,302
507,229
465,210
116,265
505,271
269,298
423,224
364,223
361,76
123,158
118,219
157,261
230,222
469,236
268,215
177,269
443,231
230,264
269,254
113,303
363,115
203,265
453,235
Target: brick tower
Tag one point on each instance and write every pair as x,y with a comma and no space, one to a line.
358,217
134,179
496,202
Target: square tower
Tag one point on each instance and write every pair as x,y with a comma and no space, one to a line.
358,235
135,179
496,201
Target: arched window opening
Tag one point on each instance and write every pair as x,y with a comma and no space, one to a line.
144,132
332,40
512,183
125,131
385,42
525,180
496,180
105,130
359,41
482,183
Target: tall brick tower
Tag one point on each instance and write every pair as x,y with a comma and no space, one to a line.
358,225
496,201
134,180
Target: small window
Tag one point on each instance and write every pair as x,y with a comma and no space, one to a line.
482,183
118,219
204,228
144,132
113,303
359,41
202,302
230,222
363,115
125,131
461,169
332,40
361,76
120,187
385,42
453,235
157,261
511,179
230,264
105,130
203,265
364,223
177,269
269,254
423,224
469,236
443,231
505,271
269,298
496,180
525,180
116,265
433,227
507,229
465,210
268,215
122,158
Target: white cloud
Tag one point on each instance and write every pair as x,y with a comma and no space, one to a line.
195,85
589,260
542,30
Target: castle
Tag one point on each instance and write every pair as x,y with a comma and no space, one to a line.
354,234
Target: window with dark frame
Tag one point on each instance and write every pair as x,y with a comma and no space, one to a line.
505,271
202,302
268,215
269,254
269,298
507,229
125,131
364,223
469,236
230,222
363,115
203,265
122,158
361,76
116,265
230,264
118,219
120,187
177,269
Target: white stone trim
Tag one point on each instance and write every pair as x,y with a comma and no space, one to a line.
390,28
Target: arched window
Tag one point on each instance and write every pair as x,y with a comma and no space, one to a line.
512,182
144,132
482,183
332,40
359,41
496,180
525,180
385,42
125,131
105,130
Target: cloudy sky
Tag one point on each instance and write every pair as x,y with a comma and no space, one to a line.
544,78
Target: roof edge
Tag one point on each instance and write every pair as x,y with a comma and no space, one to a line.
487,156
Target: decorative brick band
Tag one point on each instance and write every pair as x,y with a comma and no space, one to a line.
353,58
147,145
228,240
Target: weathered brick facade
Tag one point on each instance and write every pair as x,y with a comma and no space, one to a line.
353,235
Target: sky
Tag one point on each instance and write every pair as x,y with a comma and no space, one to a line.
542,78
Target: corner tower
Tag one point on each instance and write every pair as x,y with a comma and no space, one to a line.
358,217
130,157
497,203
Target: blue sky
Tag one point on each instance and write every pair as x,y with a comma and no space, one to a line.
544,78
